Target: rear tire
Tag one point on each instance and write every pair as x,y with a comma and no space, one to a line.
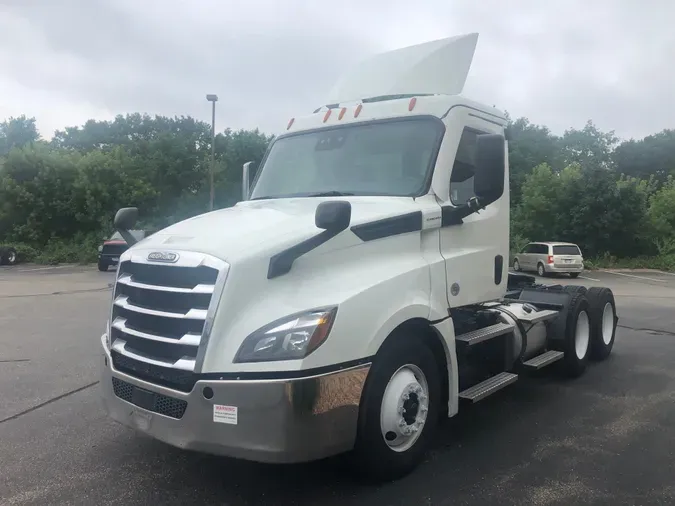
103,266
603,322
576,344
574,275
390,443
541,270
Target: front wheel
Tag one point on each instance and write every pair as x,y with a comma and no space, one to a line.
574,275
516,265
399,411
11,257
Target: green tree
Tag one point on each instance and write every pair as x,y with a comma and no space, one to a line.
17,132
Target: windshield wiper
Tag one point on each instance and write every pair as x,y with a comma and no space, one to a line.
332,193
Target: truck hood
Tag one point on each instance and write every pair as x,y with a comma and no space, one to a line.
253,226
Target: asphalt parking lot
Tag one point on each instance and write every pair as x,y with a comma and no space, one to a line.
605,438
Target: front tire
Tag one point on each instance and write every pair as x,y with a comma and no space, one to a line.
11,256
399,410
516,265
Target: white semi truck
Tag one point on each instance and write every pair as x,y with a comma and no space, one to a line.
356,296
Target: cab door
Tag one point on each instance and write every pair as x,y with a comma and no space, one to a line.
476,247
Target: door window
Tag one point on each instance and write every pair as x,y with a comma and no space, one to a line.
461,178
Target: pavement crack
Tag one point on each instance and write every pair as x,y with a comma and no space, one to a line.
653,331
50,401
12,360
51,294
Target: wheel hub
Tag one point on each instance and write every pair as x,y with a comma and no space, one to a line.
404,409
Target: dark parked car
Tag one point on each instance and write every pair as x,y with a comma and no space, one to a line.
8,255
111,249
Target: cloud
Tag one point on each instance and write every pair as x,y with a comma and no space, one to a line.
557,62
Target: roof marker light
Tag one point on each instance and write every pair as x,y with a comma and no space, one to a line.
358,110
327,115
290,123
413,102
342,112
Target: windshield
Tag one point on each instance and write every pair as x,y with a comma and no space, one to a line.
566,250
383,158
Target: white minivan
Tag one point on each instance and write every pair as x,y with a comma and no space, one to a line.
549,258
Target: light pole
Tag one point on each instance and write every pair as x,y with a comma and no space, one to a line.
213,99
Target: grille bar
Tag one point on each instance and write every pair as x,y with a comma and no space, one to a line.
193,314
184,364
189,339
128,279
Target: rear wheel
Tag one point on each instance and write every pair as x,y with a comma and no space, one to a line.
541,270
574,275
102,266
576,344
603,322
399,411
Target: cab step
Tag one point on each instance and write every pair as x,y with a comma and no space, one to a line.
543,360
538,316
480,335
488,387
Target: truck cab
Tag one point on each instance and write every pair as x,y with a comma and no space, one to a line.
356,295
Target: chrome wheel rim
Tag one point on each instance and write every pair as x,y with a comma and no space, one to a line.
582,335
607,323
404,408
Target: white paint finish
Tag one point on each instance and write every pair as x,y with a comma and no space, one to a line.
446,331
636,277
436,67
470,248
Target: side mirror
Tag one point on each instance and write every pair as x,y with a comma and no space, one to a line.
488,181
246,180
333,216
125,220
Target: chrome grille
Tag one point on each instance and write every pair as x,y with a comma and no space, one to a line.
161,312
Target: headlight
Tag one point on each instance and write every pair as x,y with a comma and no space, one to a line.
290,338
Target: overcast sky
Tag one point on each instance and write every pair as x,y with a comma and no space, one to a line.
559,63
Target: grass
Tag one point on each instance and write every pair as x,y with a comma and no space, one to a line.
659,262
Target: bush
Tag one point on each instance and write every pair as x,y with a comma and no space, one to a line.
24,252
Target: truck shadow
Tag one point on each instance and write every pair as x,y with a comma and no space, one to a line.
496,432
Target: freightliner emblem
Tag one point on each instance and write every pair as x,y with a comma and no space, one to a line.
163,256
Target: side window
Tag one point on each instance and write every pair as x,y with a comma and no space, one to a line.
542,249
461,178
529,248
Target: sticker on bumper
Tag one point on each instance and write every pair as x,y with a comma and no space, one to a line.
225,414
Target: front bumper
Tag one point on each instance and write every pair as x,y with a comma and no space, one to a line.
281,421
108,258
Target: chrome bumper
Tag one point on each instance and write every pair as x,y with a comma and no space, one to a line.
281,421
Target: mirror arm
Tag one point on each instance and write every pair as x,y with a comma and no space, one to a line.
130,239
